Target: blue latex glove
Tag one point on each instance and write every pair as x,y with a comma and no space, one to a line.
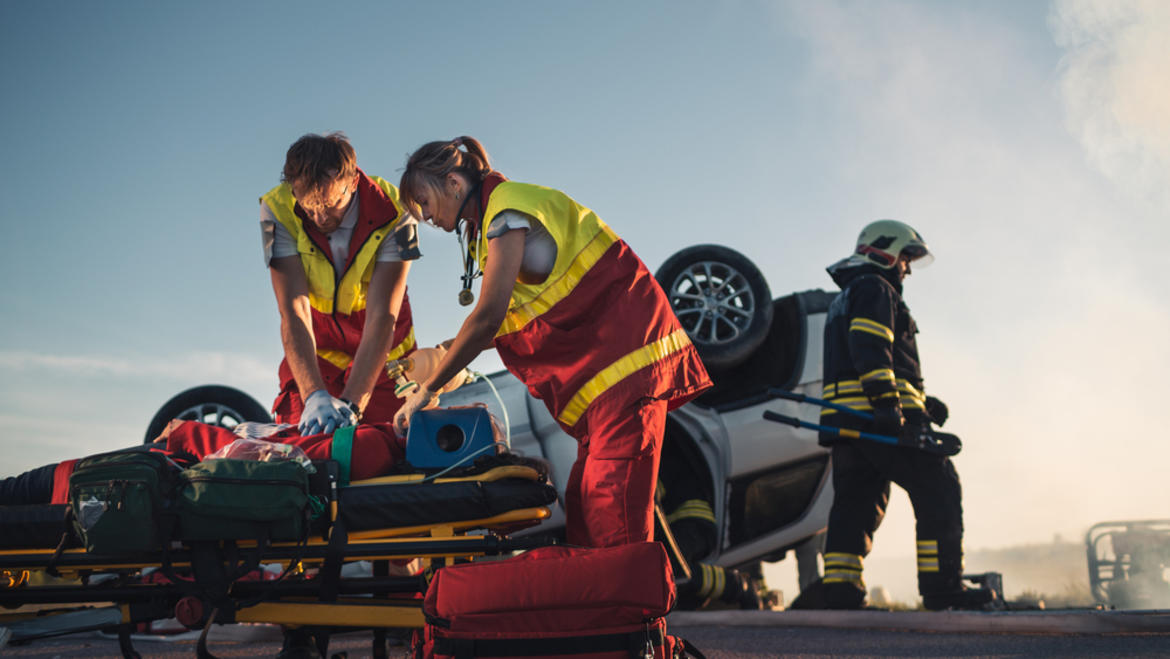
322,414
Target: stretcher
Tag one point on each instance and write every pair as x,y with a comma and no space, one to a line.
382,520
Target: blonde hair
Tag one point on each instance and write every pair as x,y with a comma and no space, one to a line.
427,167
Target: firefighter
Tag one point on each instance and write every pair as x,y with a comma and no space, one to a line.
338,247
871,364
573,313
686,504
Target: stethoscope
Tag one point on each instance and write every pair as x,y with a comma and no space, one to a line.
465,232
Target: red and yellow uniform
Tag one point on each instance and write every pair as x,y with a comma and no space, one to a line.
338,301
598,342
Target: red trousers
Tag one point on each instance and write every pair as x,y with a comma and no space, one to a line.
609,499
287,408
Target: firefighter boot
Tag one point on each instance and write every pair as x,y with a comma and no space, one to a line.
959,598
836,595
940,579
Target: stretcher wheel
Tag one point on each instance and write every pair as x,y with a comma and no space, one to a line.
189,612
212,404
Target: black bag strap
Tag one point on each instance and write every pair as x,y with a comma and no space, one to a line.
330,574
634,642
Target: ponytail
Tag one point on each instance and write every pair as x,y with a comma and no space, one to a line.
432,162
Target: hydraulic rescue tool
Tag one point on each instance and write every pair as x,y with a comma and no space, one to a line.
923,438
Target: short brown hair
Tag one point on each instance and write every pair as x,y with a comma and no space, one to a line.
317,160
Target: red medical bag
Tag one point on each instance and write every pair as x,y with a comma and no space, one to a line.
573,602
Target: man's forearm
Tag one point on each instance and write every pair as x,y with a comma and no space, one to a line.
369,361
301,353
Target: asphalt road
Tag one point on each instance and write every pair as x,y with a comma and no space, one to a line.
752,635
716,643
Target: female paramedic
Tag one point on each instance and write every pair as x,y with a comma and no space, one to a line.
574,314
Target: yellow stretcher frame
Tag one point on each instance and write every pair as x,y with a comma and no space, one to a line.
440,544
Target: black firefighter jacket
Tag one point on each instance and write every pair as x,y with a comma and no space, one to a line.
871,357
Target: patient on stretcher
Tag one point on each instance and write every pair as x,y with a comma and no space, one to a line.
377,451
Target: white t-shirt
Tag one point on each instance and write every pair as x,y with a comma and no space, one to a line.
540,249
401,245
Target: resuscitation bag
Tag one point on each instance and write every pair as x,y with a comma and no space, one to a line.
229,499
120,501
604,603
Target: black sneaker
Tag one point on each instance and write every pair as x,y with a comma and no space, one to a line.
963,599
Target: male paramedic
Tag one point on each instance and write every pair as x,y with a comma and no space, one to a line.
338,245
871,364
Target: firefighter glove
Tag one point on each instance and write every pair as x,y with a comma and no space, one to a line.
936,410
888,420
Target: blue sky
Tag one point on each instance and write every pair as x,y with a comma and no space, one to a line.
1026,141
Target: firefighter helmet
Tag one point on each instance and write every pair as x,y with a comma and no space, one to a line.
883,241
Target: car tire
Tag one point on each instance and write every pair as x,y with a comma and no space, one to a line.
721,300
213,404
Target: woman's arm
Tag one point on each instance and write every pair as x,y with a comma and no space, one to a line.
499,278
479,329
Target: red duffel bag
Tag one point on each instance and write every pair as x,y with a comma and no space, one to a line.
571,602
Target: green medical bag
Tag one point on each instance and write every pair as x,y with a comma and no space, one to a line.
120,500
226,499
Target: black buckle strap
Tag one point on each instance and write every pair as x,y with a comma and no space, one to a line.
466,648
330,573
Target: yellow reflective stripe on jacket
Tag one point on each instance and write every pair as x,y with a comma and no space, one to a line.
617,371
342,360
556,291
909,400
842,388
872,327
692,509
879,375
910,395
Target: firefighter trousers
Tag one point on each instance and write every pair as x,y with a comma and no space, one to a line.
862,473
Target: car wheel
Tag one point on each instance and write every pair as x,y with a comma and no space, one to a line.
211,404
721,300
